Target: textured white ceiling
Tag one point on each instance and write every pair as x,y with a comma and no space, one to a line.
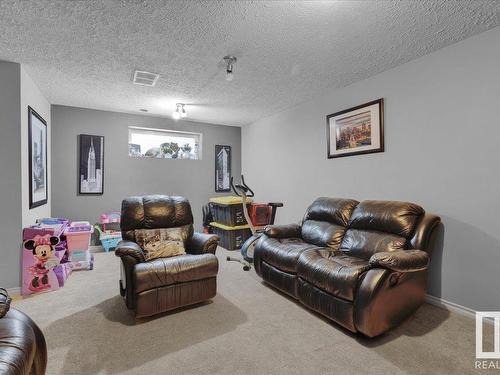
83,53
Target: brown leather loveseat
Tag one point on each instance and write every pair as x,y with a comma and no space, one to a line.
362,265
23,349
158,285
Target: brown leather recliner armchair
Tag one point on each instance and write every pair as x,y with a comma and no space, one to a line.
362,265
23,349
158,285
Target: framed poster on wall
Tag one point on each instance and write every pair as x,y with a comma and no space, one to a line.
91,165
355,131
37,154
222,168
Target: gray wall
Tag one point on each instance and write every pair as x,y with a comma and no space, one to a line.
442,151
10,174
33,97
125,176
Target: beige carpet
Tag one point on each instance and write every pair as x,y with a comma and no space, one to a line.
248,328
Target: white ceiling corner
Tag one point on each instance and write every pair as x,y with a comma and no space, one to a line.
84,53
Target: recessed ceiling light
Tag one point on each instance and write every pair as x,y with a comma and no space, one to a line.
179,112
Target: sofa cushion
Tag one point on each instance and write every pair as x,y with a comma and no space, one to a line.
365,243
282,253
179,269
377,226
322,233
144,236
394,217
163,242
154,211
325,221
331,271
334,210
163,249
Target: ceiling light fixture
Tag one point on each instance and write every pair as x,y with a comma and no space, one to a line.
179,112
230,61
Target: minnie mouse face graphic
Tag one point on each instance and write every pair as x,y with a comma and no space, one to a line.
43,251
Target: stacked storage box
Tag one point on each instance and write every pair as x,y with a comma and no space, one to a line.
62,271
229,221
78,242
260,214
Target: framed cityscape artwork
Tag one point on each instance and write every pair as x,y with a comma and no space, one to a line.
91,165
355,131
37,154
222,168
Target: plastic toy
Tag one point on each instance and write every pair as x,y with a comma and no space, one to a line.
108,218
109,239
111,217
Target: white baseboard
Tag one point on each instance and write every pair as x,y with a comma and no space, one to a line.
453,307
14,291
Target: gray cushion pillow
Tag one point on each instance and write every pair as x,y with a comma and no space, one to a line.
162,242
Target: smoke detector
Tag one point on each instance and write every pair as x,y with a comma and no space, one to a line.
143,78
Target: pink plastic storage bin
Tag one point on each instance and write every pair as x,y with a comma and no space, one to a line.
78,235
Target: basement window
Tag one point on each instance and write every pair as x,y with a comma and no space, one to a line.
163,144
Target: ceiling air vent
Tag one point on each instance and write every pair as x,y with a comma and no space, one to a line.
145,78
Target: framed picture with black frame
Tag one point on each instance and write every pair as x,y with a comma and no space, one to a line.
90,164
37,154
356,131
222,168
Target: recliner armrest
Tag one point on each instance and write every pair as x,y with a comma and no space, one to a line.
129,248
201,243
401,261
283,231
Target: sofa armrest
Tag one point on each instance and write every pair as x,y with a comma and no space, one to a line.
23,347
201,243
401,261
130,249
283,231
4,302
386,298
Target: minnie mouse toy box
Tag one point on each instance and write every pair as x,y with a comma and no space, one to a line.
39,261
42,252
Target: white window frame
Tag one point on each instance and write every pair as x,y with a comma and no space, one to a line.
168,131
